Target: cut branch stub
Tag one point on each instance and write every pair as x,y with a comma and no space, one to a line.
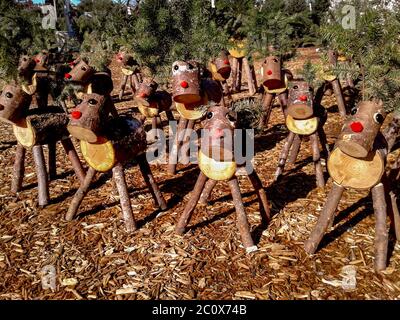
185,82
14,103
360,130
300,100
272,73
88,118
81,72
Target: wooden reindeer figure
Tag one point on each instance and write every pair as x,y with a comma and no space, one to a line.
151,102
130,71
190,93
332,81
239,63
220,69
303,120
358,162
92,81
275,82
107,144
217,163
32,129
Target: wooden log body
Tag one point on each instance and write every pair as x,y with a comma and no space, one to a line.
272,73
14,103
360,130
185,82
300,100
124,140
41,127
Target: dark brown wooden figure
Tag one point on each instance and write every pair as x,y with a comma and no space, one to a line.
270,94
33,129
240,64
303,120
332,81
130,72
350,167
206,90
220,70
121,139
152,102
217,163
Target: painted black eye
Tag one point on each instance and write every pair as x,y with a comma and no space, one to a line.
275,60
23,59
84,68
210,115
190,66
353,111
176,67
295,87
79,101
379,118
9,95
93,101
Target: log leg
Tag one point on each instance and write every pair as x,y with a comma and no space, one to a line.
74,158
249,74
184,150
239,75
151,183
158,122
136,82
170,115
52,159
191,205
320,94
267,104
325,218
254,77
349,81
208,188
381,232
234,73
283,97
222,95
317,160
18,169
173,156
294,151
119,178
41,174
324,142
122,88
139,77
396,215
339,97
227,90
242,223
262,196
80,194
284,154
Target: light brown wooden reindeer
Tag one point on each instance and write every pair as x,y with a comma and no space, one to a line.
358,162
303,120
130,71
190,93
217,163
32,129
107,144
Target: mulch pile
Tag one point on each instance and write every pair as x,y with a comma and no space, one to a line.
94,258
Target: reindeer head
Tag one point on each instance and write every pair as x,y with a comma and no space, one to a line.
272,73
126,59
87,119
223,65
186,82
81,72
41,60
361,128
300,100
26,64
145,93
14,103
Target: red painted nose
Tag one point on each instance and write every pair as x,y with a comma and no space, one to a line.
37,60
356,126
269,72
67,76
76,114
226,61
218,133
184,84
71,63
303,98
143,95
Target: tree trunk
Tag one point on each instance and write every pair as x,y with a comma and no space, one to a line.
325,219
18,169
80,194
119,178
241,218
41,174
